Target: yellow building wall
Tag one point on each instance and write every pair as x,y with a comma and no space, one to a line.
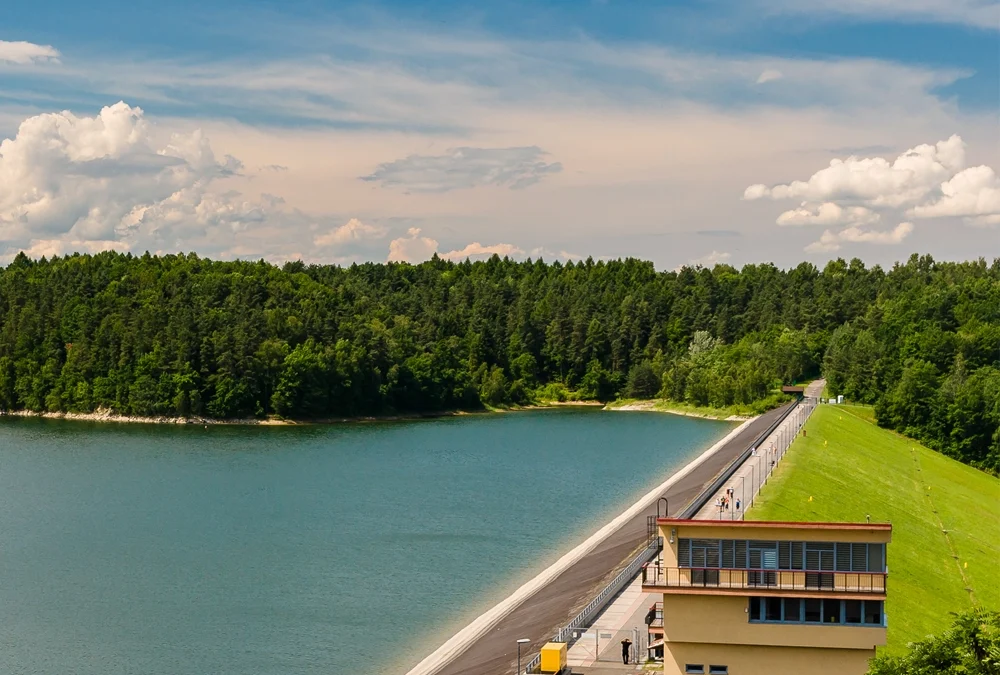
756,660
723,619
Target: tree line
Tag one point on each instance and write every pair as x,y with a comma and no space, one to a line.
183,335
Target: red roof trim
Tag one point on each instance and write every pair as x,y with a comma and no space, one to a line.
776,523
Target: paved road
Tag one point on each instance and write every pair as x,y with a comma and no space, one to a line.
543,613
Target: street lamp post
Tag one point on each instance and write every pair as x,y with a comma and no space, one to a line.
521,641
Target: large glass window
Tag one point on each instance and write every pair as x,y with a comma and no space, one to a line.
873,612
814,610
794,555
831,611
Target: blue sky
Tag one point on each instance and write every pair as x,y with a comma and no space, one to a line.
559,129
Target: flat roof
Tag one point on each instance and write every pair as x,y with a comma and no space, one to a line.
794,525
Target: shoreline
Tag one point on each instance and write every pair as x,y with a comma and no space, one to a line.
659,405
480,626
105,415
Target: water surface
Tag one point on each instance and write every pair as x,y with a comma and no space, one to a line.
181,550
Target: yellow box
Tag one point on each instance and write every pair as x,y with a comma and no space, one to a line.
553,657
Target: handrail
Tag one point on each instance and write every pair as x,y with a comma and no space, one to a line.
702,498
757,578
566,633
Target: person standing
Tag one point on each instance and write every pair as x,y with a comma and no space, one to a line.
626,649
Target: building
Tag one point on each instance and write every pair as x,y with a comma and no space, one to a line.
770,598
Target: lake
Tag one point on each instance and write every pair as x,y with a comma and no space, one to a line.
181,550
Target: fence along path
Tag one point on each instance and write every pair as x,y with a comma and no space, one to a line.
488,645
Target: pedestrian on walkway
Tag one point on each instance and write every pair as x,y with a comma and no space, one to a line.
737,504
626,648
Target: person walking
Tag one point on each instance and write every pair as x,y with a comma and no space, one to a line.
626,649
737,504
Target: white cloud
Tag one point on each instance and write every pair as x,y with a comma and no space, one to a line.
412,248
26,53
973,193
351,231
711,259
477,250
66,180
981,13
48,248
415,248
547,254
770,75
828,213
928,181
831,241
874,181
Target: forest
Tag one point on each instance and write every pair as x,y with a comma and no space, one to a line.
180,335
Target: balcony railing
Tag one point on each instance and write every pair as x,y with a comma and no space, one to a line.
761,579
654,617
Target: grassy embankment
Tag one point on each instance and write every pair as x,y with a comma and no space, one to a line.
945,550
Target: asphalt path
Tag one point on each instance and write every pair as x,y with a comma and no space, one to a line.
542,614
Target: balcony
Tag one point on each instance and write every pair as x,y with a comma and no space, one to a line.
761,581
654,617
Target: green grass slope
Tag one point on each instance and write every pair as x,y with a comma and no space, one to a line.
945,550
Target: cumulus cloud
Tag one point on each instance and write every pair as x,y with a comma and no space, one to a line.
548,254
711,259
48,248
416,248
26,53
103,179
927,181
477,250
462,168
352,230
828,213
769,75
973,194
874,181
832,241
412,247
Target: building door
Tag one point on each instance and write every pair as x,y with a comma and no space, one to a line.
820,563
763,556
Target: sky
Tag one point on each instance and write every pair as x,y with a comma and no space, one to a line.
684,132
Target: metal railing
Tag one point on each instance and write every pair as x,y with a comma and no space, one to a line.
798,410
713,578
654,617
570,632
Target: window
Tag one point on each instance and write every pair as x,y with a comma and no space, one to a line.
831,611
876,562
694,668
772,609
873,612
814,610
793,609
718,670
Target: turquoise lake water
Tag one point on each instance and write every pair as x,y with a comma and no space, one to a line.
176,550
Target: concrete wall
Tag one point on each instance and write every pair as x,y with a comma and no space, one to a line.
721,619
752,660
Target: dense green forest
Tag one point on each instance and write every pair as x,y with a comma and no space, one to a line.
182,335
